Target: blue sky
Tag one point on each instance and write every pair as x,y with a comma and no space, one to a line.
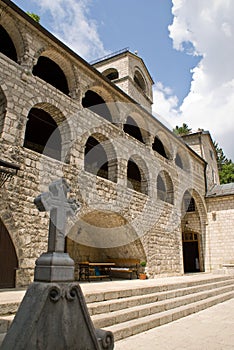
187,46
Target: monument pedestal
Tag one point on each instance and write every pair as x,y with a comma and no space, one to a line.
55,316
53,313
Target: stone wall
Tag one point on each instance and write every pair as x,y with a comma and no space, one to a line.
115,220
220,231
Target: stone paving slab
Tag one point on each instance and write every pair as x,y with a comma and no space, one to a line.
210,329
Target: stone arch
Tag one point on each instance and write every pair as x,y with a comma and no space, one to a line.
49,71
135,126
162,145
111,73
3,104
47,131
182,159
193,227
165,188
9,25
94,102
100,157
139,79
137,174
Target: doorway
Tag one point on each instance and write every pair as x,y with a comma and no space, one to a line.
8,259
191,252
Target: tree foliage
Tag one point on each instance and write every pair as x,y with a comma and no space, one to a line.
182,130
225,166
34,16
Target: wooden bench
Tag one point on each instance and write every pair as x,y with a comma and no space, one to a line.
94,270
125,267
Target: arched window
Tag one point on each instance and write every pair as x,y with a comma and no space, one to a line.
178,161
132,129
158,147
6,45
2,110
96,104
97,161
42,134
111,73
50,72
189,203
139,80
165,190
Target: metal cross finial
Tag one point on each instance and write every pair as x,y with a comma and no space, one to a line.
60,208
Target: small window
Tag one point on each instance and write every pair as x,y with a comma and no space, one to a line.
111,73
139,80
211,154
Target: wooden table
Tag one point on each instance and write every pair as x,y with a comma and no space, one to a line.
102,270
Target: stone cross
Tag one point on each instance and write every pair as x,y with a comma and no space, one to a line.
60,207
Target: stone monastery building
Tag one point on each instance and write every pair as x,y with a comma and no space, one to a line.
144,193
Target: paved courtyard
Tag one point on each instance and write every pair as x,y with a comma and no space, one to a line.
211,329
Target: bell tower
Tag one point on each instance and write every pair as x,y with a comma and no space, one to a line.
128,71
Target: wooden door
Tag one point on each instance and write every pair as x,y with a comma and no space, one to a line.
8,259
191,252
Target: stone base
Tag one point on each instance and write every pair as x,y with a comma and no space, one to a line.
54,267
55,316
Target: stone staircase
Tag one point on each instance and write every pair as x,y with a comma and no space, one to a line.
136,306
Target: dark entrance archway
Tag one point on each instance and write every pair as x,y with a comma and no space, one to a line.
8,259
191,252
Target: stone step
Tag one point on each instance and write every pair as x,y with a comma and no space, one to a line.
5,322
144,289
123,303
142,324
115,317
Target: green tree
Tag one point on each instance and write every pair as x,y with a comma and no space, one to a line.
226,175
182,130
220,156
34,16
225,166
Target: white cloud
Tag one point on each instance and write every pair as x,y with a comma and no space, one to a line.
72,24
165,104
209,27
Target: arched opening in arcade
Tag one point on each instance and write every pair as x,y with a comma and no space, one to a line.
131,128
100,158
8,259
50,72
192,234
42,134
165,189
136,179
7,46
96,104
159,147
